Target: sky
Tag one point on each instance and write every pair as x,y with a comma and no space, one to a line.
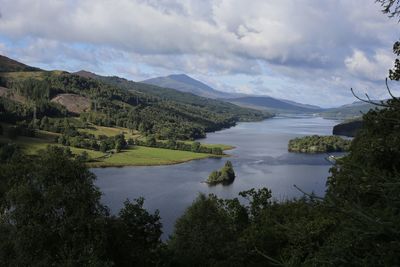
310,51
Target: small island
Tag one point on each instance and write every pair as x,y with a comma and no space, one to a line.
226,175
318,144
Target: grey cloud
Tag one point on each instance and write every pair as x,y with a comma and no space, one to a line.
268,30
305,41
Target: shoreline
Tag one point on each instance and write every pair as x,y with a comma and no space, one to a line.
166,162
102,165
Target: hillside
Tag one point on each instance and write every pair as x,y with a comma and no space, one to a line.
179,98
184,83
349,111
9,65
273,104
113,101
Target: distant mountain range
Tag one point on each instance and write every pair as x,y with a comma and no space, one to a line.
348,111
274,104
184,83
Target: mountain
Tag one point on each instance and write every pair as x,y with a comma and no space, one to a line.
10,65
184,83
273,104
178,97
307,106
86,74
348,111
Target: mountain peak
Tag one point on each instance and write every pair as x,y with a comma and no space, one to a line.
180,75
85,74
185,83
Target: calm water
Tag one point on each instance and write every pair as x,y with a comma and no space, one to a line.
260,159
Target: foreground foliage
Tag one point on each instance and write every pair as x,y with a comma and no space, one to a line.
52,216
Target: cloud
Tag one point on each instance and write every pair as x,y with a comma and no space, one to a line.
373,69
303,42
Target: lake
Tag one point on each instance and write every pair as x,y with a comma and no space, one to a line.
260,159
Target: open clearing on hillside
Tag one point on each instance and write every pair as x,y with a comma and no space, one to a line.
72,102
110,131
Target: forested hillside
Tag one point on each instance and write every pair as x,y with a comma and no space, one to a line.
113,101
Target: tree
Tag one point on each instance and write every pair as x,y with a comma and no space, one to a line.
203,235
103,146
51,212
151,140
118,147
390,7
134,236
195,146
44,123
84,156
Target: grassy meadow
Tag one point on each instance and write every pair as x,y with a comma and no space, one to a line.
132,156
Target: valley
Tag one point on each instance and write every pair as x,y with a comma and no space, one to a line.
199,133
85,112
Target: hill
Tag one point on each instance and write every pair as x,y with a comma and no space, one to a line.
9,65
114,101
349,111
184,83
273,104
85,74
178,97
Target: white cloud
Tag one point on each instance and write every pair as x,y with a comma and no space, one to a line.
304,42
374,69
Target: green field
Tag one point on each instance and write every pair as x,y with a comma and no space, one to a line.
147,156
134,156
